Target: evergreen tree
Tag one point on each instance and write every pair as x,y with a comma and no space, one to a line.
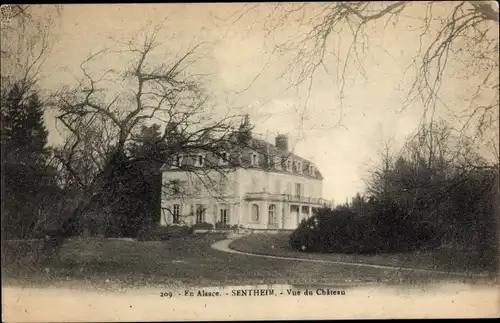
24,135
133,196
25,174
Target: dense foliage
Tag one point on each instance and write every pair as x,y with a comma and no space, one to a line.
384,228
434,194
28,183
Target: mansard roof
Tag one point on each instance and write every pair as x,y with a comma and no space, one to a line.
240,154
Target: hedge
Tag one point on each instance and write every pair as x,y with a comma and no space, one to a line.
203,225
385,229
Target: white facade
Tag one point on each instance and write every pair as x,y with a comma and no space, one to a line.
252,198
278,196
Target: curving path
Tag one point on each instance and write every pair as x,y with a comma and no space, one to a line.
223,245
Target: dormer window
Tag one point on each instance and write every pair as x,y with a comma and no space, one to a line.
177,162
299,167
311,170
289,165
224,158
255,160
200,160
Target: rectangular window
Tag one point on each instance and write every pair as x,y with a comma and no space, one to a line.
200,213
177,161
176,214
255,213
224,219
289,165
298,189
200,160
255,160
198,185
223,185
175,187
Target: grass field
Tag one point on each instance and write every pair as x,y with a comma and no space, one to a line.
190,261
442,259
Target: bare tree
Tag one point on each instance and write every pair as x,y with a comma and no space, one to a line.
459,37
378,182
27,35
100,119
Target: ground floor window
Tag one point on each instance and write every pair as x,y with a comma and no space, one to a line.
176,213
224,216
255,213
272,214
200,213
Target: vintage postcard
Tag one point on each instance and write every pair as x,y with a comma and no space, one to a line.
250,161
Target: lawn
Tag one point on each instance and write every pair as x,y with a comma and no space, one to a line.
190,261
442,259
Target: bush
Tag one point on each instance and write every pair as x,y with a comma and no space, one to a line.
162,233
428,236
304,238
386,228
398,231
223,226
204,226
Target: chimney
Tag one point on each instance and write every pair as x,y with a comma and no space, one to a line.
282,142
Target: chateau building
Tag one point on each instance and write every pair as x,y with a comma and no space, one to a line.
267,188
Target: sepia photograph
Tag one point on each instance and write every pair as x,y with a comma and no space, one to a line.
250,161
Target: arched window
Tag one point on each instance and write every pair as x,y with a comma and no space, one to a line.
255,213
272,214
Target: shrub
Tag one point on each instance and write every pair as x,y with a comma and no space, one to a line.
304,238
223,226
204,226
398,231
428,236
386,228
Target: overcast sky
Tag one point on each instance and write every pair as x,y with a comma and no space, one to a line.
236,53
